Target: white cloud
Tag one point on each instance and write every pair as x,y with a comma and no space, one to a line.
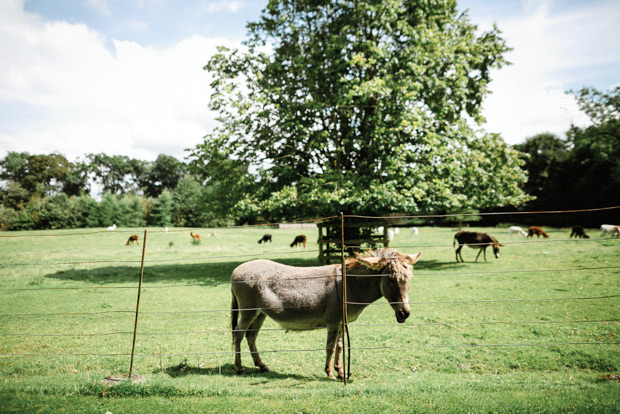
102,6
224,5
552,53
137,101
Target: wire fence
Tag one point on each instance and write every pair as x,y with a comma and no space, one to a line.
240,257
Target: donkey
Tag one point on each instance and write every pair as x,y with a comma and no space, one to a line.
475,241
132,239
299,240
266,238
300,298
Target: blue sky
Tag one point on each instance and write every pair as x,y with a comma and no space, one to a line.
125,76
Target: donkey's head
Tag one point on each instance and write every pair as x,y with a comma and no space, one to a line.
395,270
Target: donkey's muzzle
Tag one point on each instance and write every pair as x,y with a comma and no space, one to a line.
402,315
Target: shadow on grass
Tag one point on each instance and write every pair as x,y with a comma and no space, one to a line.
208,273
215,273
434,265
228,370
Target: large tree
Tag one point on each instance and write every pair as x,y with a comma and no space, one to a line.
364,107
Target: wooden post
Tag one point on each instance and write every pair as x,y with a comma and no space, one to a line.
135,326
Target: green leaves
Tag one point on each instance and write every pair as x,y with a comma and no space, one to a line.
373,97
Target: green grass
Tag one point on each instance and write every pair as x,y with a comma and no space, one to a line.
476,341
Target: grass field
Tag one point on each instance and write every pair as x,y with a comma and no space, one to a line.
532,331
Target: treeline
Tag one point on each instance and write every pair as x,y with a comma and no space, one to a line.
50,192
581,171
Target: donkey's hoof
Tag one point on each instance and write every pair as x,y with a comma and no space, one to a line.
265,368
241,371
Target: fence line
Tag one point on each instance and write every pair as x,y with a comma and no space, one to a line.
399,325
238,256
332,303
540,344
279,252
498,213
575,269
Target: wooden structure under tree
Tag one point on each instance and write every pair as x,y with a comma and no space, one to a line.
357,236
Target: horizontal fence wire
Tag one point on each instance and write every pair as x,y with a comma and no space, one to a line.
188,354
376,303
399,325
314,220
285,252
572,269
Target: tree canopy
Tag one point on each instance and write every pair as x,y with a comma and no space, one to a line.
582,171
364,107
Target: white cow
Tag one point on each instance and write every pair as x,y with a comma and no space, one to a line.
112,228
609,228
516,229
415,231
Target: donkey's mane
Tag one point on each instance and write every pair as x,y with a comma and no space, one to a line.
382,253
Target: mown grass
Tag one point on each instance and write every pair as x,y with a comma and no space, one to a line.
506,335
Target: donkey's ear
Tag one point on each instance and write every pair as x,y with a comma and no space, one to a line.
412,258
372,262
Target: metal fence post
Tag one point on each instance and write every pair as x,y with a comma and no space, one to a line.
345,322
135,327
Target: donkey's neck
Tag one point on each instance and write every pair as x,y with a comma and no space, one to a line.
363,288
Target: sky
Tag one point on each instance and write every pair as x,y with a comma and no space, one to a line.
126,77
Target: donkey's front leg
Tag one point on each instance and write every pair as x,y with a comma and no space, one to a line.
338,366
333,333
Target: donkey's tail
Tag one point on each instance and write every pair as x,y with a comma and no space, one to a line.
234,314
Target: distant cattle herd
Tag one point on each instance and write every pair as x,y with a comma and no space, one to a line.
475,240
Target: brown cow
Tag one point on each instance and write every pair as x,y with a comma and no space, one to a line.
132,239
299,240
196,237
535,230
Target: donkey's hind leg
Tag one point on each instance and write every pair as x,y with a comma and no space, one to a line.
251,337
245,321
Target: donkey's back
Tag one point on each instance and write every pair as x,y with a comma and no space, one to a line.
295,297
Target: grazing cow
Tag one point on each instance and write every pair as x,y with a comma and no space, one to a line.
475,240
415,231
609,228
299,240
535,230
132,239
112,228
579,231
516,229
196,237
390,235
266,238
